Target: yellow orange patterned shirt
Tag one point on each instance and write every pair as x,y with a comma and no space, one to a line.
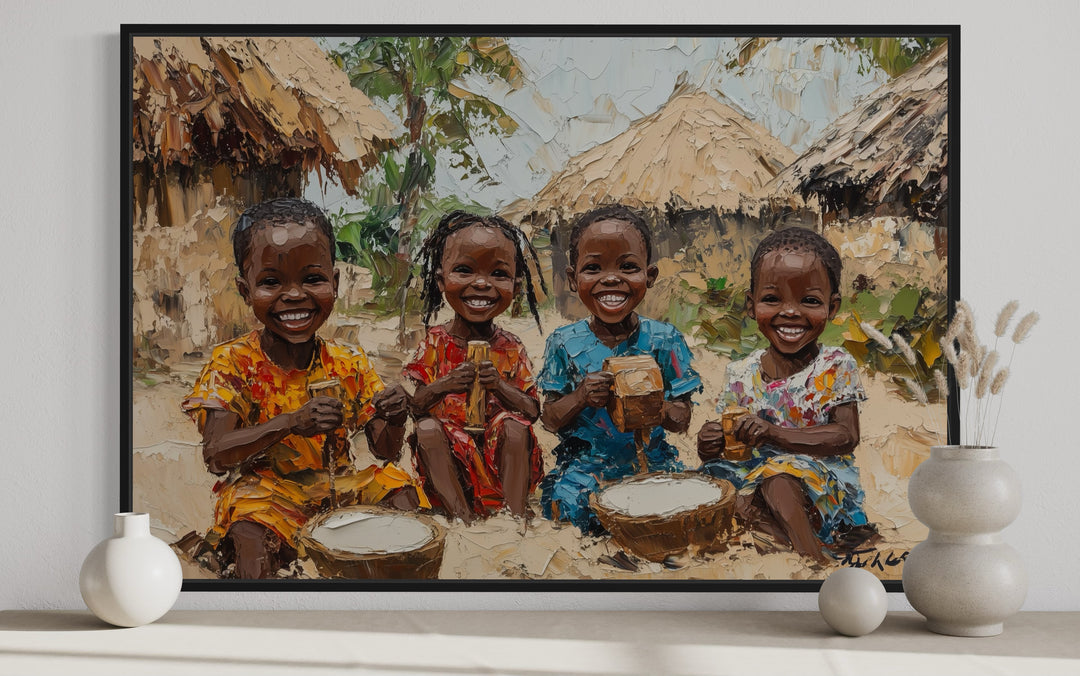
285,485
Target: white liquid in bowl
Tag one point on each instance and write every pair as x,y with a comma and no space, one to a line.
660,496
361,533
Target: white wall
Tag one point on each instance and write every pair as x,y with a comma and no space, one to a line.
60,220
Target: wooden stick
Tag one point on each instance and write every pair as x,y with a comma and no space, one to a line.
476,408
329,445
641,437
328,388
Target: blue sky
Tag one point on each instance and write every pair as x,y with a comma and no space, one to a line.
579,92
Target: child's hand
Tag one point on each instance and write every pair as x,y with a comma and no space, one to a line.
488,375
752,430
460,379
320,415
710,440
676,415
392,404
596,388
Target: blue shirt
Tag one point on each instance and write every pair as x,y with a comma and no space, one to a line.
574,351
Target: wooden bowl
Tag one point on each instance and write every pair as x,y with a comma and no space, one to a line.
363,542
658,515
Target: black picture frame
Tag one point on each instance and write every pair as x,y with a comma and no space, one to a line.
949,220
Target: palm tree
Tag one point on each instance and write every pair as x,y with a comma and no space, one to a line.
424,79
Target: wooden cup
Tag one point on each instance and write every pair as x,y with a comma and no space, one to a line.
733,448
476,407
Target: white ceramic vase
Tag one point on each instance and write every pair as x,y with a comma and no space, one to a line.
132,578
964,579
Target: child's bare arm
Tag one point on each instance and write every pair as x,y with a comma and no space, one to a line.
511,397
386,430
676,414
560,410
226,444
458,381
839,436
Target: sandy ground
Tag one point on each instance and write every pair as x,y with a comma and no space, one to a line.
172,484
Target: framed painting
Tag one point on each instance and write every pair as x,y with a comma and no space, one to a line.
535,308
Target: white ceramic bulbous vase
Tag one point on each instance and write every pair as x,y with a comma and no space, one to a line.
132,578
964,579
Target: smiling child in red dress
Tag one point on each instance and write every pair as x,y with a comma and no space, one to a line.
477,264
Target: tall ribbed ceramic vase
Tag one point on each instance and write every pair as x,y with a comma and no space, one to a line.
964,579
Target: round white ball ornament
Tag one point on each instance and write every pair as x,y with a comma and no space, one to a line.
853,601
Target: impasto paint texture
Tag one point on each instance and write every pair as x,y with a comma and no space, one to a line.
505,308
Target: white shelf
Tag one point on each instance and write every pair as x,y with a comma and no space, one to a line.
569,643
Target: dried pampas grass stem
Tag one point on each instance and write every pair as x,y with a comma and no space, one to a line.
877,336
904,348
986,374
948,348
1024,327
942,384
917,391
998,382
976,367
1004,317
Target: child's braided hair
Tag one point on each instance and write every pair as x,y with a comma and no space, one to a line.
431,254
799,239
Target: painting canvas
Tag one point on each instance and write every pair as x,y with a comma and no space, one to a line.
531,308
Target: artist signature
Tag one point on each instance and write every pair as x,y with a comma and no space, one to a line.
871,558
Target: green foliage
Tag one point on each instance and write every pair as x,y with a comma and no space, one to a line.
423,78
893,55
717,313
918,315
716,284
719,316
370,239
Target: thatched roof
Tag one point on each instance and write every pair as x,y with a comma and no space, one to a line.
695,152
248,102
891,148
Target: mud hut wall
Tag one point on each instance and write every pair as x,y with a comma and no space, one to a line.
180,193
185,299
184,295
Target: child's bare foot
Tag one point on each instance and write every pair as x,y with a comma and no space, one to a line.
258,551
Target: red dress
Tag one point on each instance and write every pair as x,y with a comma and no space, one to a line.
439,354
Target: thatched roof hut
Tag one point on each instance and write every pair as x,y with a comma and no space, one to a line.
694,153
694,168
887,156
219,124
210,111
